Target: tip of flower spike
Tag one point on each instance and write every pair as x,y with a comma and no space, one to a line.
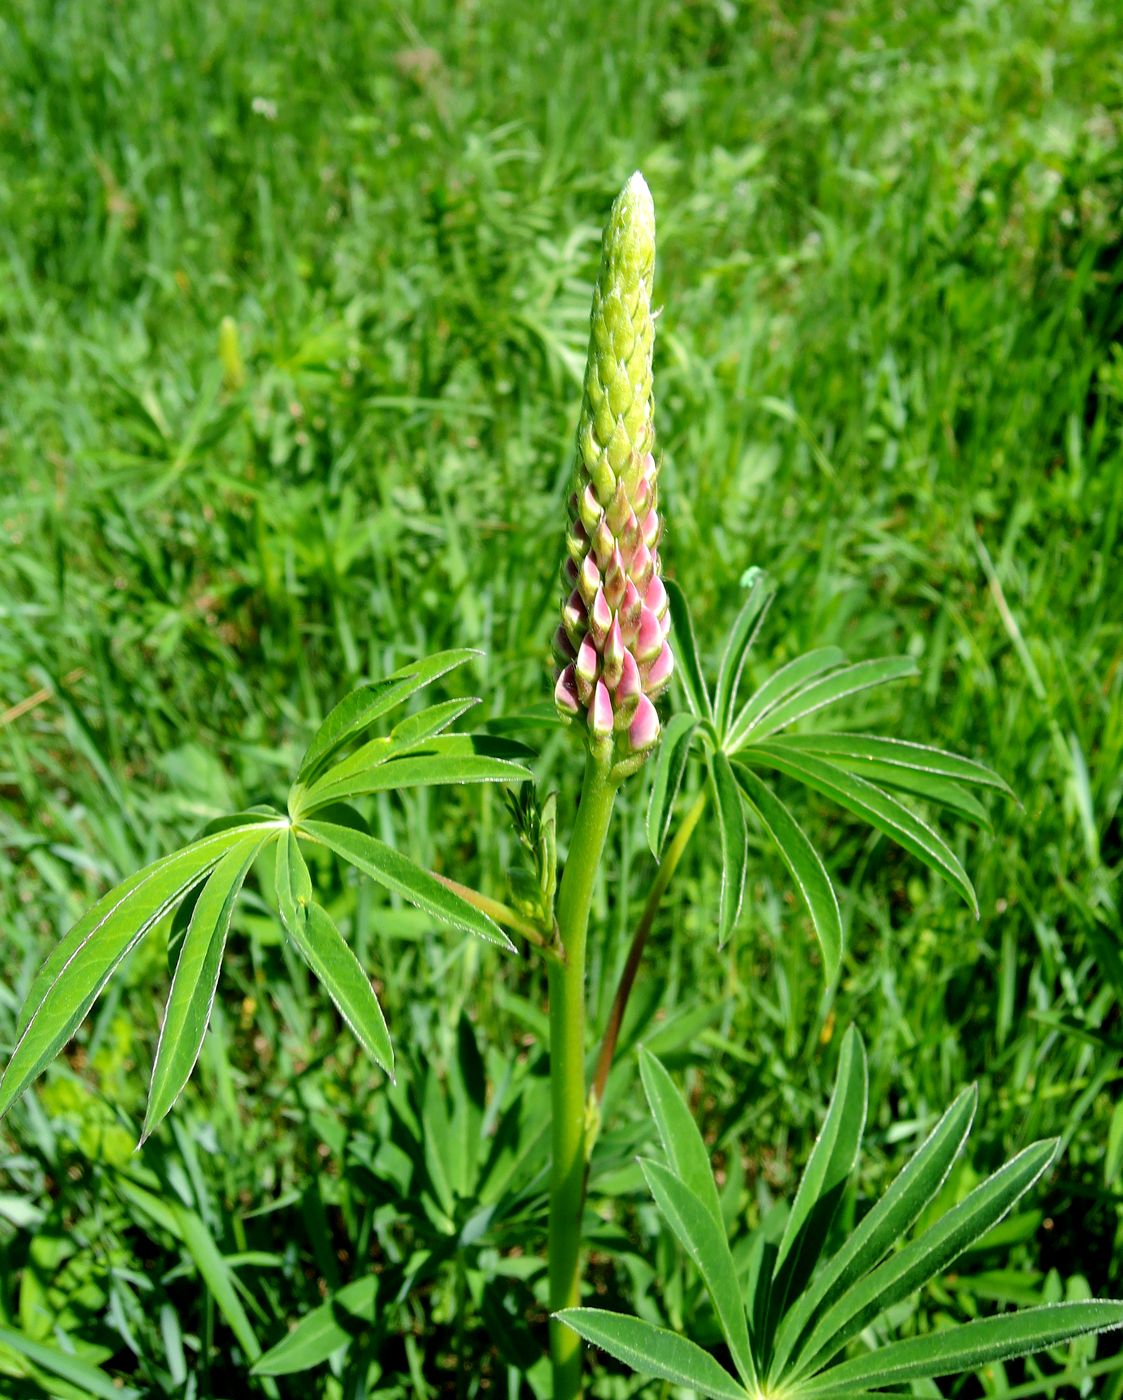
629,238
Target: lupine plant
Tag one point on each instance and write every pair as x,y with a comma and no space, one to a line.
797,1308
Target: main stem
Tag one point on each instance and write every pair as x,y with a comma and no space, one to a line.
567,1068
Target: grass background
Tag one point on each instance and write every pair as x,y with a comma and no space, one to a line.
889,370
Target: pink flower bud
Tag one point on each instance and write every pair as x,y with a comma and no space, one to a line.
600,711
575,618
563,647
660,673
649,637
589,580
565,692
600,618
644,728
656,597
615,579
613,655
652,528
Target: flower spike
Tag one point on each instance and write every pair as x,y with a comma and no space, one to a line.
614,609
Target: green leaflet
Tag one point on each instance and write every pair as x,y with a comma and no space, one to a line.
653,1351
414,770
737,648
877,1233
666,778
705,1242
87,957
951,1350
866,801
323,1331
734,843
340,973
400,874
370,702
678,1132
829,690
780,684
195,981
688,667
804,863
900,753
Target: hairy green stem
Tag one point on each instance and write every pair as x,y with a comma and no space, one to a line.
667,868
567,1068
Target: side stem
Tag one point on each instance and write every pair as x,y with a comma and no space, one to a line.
567,1069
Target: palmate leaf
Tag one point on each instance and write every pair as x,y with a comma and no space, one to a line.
879,1230
362,707
865,1279
924,1258
864,800
74,974
195,981
400,874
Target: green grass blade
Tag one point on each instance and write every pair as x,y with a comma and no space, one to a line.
688,666
703,1238
883,1226
214,1268
829,690
804,863
653,1351
400,874
873,805
678,1132
923,1259
195,981
953,1350
340,973
734,843
737,648
666,778
95,948
89,1380
779,685
322,1331
824,1178
370,702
